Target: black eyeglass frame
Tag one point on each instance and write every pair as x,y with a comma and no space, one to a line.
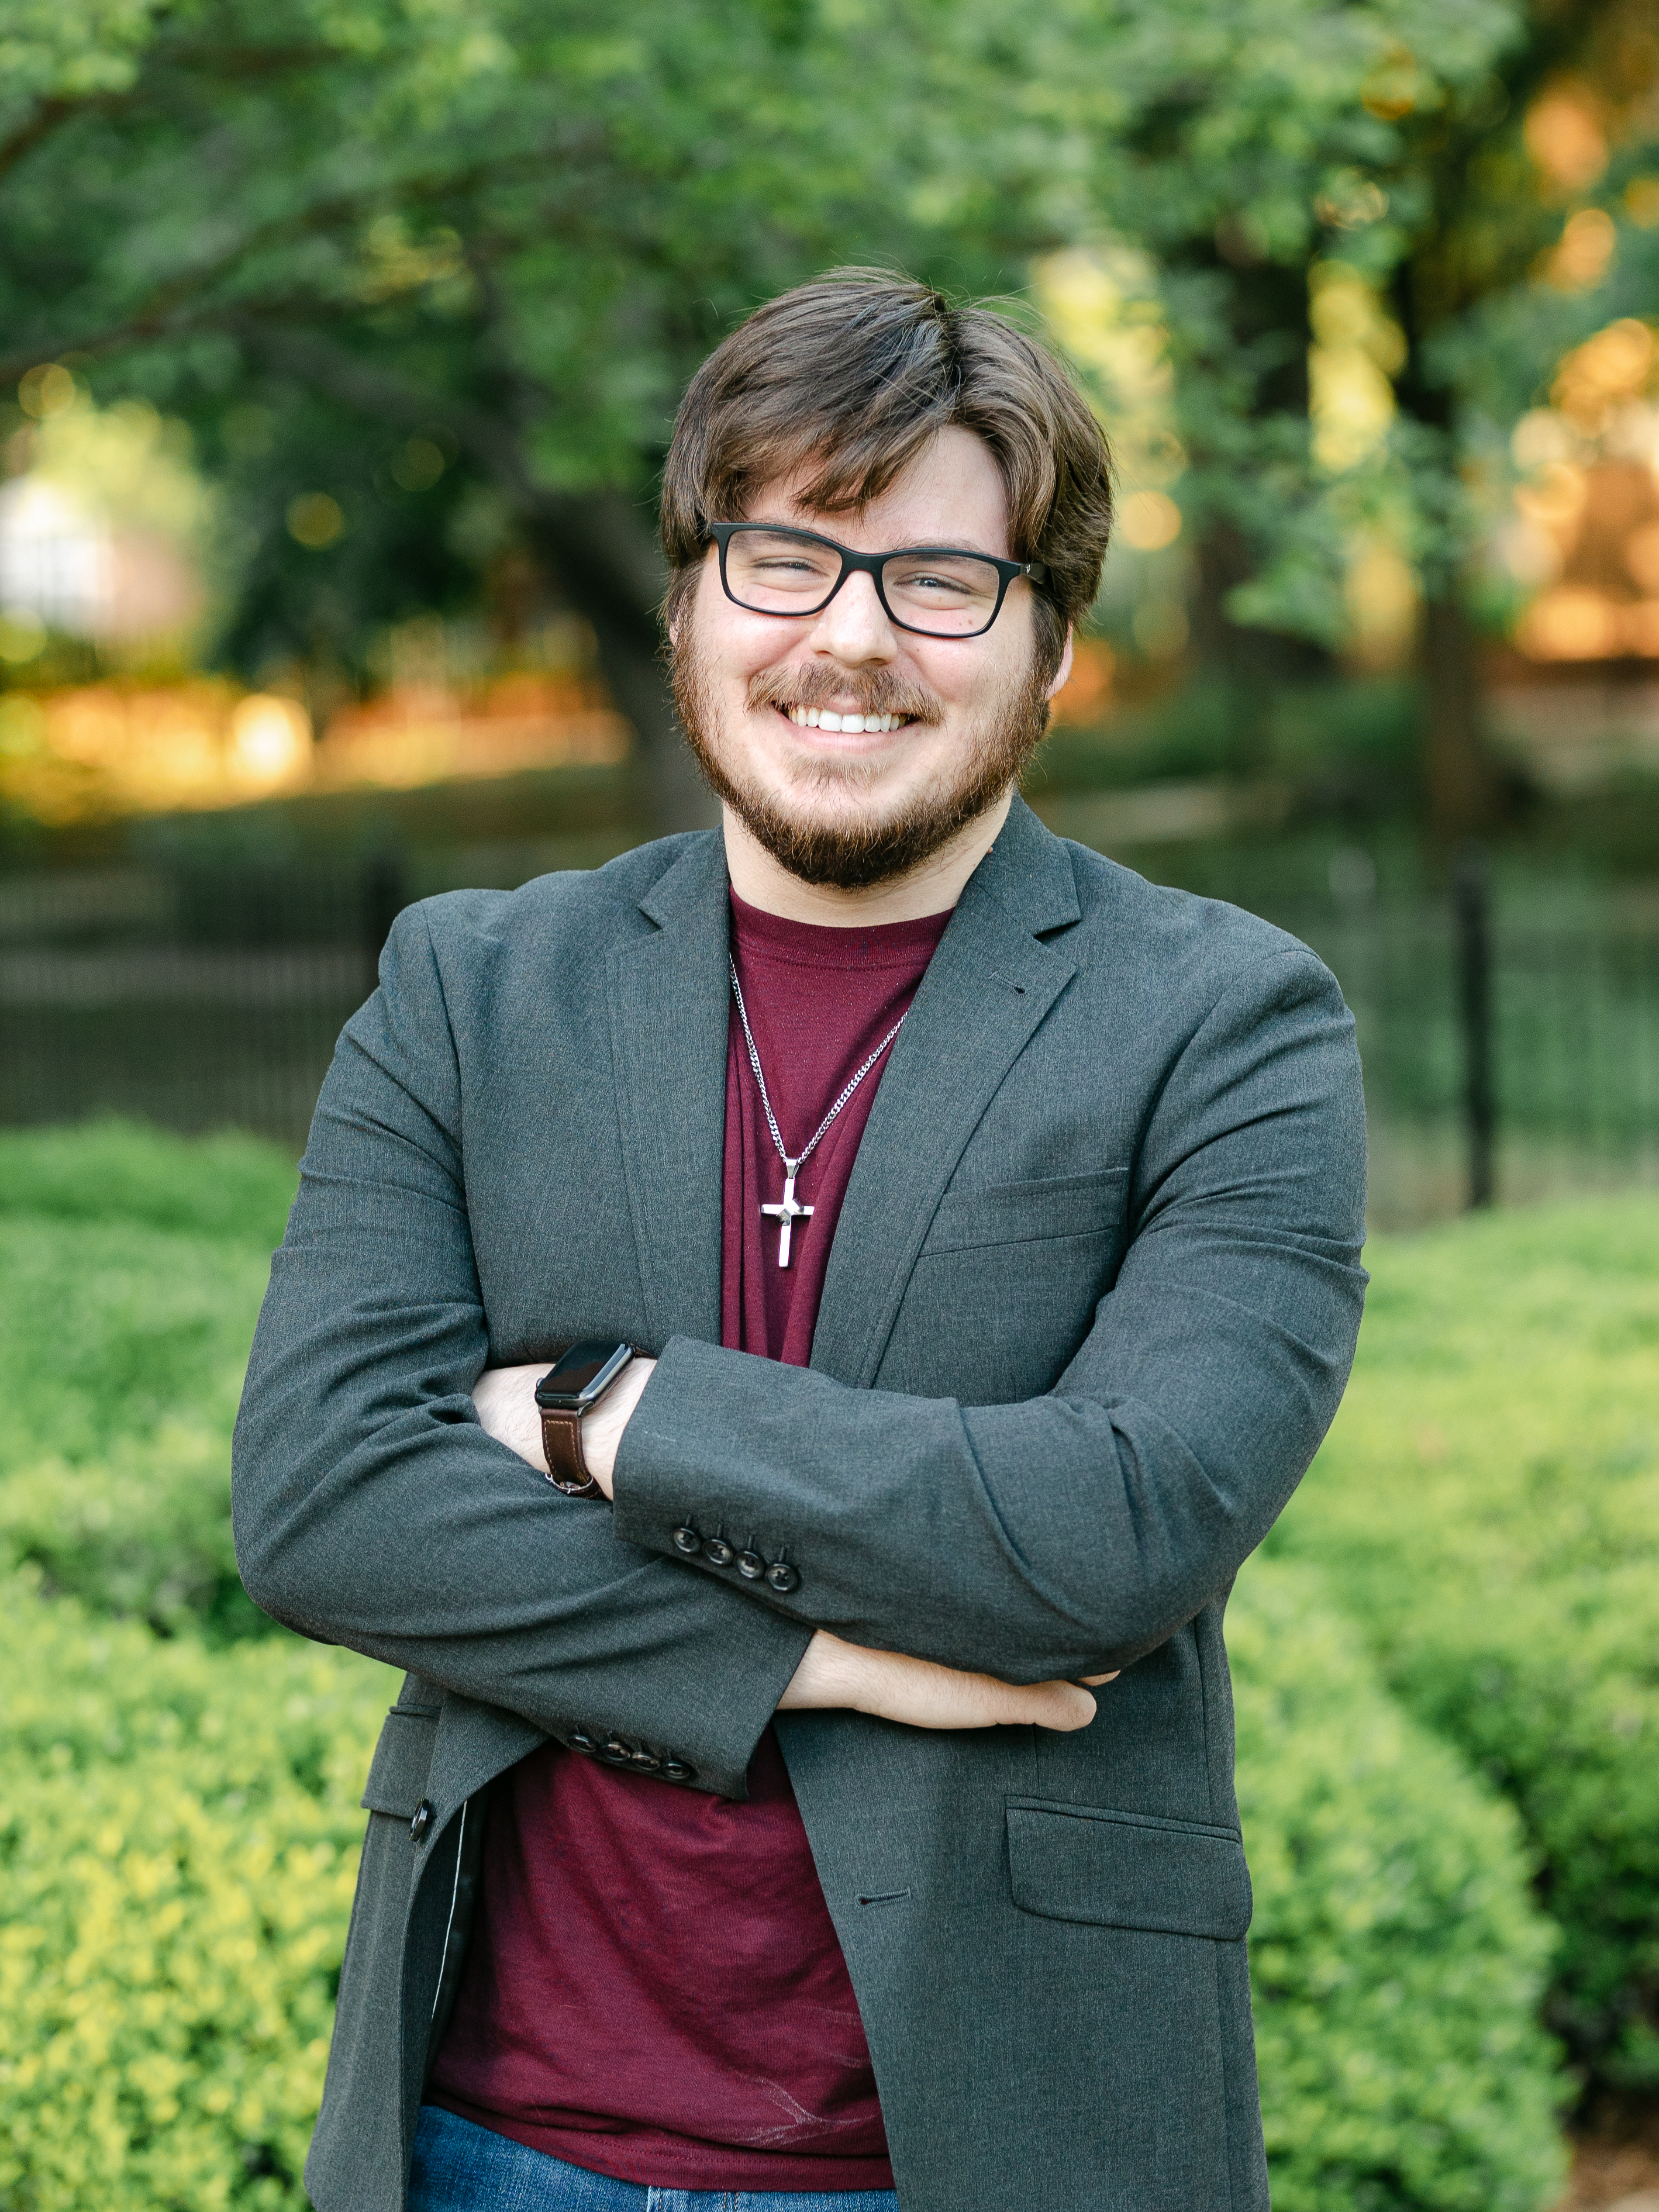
870,565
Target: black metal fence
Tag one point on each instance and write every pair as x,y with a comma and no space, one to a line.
1510,1049
190,998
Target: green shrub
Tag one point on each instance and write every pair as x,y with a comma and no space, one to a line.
1487,1507
227,1185
179,1838
179,1834
123,1340
1396,1957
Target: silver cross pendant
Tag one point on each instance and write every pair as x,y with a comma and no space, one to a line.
787,1212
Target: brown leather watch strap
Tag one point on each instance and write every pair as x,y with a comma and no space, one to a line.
561,1443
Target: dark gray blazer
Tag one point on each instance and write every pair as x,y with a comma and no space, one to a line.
1090,1306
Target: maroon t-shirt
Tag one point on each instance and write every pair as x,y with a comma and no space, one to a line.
654,1989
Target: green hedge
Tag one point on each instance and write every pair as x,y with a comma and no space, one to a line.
179,1837
131,1268
227,1185
180,1823
1396,1957
1487,1507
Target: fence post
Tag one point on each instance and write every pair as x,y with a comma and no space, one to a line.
382,900
1471,905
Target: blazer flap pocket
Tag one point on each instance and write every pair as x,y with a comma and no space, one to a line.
1014,1213
1127,1871
403,1760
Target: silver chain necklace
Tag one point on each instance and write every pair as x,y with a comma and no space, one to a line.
790,1211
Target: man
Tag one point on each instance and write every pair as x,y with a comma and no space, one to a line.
958,1237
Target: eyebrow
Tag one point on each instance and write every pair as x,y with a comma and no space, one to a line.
916,545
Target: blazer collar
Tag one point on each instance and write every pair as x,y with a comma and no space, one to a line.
986,990
668,1026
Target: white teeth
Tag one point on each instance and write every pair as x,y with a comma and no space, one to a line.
823,718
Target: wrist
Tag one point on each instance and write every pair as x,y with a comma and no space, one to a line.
602,1429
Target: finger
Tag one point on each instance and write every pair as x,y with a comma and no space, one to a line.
1094,1681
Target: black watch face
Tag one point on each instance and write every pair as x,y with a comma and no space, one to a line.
583,1374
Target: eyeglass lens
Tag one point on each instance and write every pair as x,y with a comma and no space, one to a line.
945,595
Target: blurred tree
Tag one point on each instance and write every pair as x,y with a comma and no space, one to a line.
1510,227
429,279
1447,185
355,241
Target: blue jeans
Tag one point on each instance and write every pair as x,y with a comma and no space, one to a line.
459,2167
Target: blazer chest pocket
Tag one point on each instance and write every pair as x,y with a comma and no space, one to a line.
1126,1870
1029,1213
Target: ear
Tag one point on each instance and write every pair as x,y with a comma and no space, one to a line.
1065,669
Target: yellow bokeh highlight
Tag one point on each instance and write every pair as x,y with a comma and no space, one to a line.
1149,520
1584,255
1357,351
1565,135
316,521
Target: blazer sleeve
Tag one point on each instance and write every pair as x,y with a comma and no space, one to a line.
370,1508
1078,1530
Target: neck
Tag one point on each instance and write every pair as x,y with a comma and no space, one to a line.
933,887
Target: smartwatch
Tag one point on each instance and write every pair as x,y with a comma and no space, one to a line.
572,1386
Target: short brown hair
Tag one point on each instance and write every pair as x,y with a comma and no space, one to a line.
852,375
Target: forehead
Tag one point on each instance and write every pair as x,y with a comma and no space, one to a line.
951,494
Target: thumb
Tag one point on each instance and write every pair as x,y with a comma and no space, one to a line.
1060,1705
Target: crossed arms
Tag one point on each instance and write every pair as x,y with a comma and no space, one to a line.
1039,1544
832,1673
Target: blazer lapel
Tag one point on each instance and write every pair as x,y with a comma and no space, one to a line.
668,1015
988,986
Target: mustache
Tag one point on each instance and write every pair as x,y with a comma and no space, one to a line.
878,691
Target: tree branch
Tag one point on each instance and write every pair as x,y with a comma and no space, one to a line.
600,545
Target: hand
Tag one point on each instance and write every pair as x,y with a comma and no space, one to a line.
923,1694
506,1400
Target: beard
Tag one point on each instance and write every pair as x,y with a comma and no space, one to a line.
848,841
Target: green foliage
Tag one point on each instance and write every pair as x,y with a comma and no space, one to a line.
227,1185
1487,1506
1397,1960
317,228
178,1846
131,1268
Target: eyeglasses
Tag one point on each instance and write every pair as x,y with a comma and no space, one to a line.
935,591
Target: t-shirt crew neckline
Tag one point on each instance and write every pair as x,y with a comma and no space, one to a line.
849,946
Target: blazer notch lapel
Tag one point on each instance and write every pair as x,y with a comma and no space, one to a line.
668,998
988,988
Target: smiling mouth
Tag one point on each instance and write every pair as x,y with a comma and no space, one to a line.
825,718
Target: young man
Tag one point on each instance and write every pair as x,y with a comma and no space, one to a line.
959,1240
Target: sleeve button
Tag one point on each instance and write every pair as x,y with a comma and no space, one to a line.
580,1741
751,1565
782,1578
614,1752
676,1769
718,1551
686,1539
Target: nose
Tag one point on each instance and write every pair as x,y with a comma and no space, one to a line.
853,628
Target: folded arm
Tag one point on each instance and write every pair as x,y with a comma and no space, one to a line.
373,1509
1077,1530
